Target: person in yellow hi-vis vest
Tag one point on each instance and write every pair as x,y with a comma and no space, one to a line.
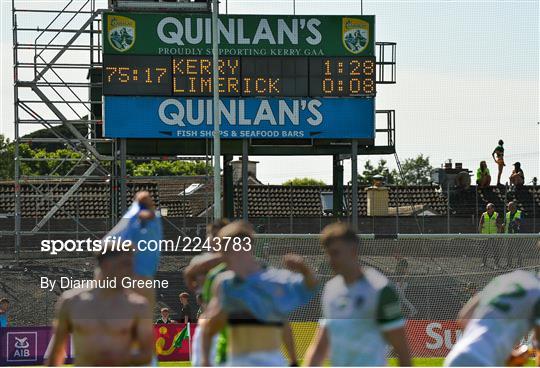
512,225
490,223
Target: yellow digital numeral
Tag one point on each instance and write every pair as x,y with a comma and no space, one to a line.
369,86
355,67
113,70
355,85
328,85
162,71
124,77
327,67
369,67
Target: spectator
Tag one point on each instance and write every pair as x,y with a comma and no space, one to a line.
4,306
498,156
512,225
513,219
463,180
483,178
164,317
185,308
490,223
200,304
517,179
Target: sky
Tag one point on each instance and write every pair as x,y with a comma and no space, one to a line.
467,75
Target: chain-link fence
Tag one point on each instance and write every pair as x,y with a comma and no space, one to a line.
187,207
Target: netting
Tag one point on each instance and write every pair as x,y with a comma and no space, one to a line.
435,275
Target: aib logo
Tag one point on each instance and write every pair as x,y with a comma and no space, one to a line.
21,346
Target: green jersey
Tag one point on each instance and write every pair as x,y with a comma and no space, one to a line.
206,294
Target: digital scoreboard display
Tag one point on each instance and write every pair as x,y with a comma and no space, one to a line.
245,76
342,76
136,76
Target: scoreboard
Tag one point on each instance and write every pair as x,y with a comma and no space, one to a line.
239,76
280,76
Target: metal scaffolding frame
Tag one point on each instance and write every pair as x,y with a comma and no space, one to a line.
51,57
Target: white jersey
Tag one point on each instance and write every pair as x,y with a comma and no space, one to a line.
508,308
356,315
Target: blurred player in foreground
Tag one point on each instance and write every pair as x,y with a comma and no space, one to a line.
361,309
496,319
254,301
200,276
101,311
141,224
109,326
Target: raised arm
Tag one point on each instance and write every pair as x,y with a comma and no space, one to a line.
193,270
61,331
318,350
288,341
215,321
296,263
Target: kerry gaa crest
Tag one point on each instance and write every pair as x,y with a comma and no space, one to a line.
121,32
355,34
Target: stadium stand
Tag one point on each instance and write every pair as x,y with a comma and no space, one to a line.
92,200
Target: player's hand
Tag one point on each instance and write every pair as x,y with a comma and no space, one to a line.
145,200
295,263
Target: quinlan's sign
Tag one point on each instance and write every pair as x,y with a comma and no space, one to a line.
240,35
298,118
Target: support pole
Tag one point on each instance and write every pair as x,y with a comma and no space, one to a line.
354,184
245,174
447,209
337,169
216,114
228,187
123,177
17,169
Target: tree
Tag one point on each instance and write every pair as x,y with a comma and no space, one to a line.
57,130
6,158
62,161
416,171
304,182
366,178
171,168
